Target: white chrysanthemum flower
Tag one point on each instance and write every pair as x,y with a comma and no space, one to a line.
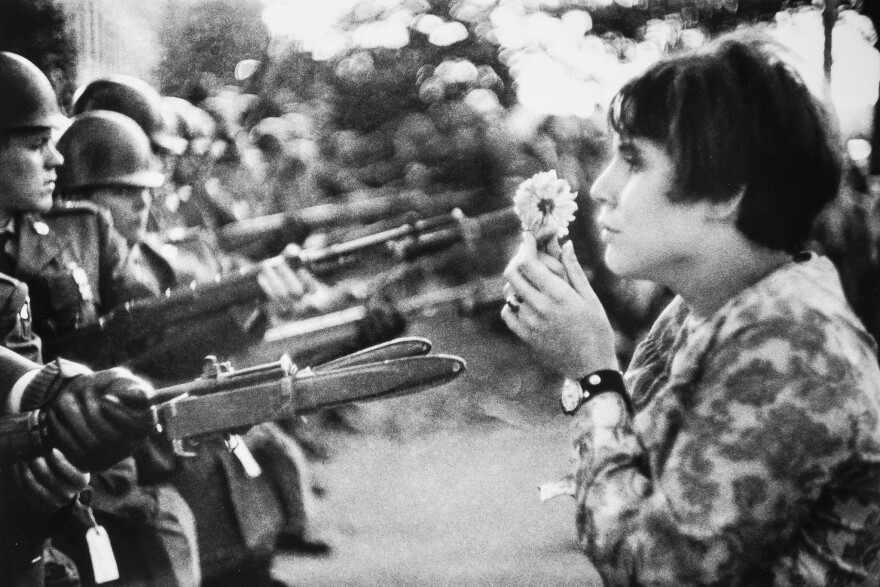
545,205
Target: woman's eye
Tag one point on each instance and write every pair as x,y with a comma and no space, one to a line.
631,161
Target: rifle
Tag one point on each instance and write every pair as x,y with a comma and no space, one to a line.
128,328
468,230
253,237
224,400
310,337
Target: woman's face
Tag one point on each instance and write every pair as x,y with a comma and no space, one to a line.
646,235
129,207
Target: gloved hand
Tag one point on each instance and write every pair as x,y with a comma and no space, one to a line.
49,483
97,419
383,322
281,285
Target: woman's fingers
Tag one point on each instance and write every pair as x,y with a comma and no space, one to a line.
575,273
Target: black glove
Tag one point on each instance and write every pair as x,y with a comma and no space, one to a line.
97,419
49,483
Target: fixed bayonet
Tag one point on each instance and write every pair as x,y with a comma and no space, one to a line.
409,346
236,399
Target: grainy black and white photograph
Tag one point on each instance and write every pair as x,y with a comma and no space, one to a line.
439,292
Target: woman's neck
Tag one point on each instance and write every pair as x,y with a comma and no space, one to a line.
734,266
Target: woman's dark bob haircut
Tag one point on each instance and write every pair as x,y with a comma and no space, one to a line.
734,116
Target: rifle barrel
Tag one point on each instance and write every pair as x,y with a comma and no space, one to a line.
360,208
467,229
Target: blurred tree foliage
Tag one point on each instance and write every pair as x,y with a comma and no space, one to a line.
203,41
420,111
38,30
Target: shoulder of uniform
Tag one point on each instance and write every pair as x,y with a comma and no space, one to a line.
12,291
66,208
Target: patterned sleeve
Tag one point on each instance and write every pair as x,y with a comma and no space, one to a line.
748,451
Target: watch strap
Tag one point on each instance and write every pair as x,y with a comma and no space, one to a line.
603,381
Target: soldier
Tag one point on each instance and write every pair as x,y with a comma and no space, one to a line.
72,262
36,489
136,99
199,197
88,433
107,162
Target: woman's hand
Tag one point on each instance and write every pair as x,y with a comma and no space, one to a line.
559,317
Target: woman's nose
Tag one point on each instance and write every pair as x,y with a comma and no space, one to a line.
604,190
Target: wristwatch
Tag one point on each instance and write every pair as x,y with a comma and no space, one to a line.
577,393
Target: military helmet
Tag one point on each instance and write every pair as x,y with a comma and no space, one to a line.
105,149
27,99
136,99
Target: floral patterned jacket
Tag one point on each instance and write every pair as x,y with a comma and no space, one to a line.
754,454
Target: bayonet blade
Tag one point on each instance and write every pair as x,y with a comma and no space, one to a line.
409,346
381,380
306,391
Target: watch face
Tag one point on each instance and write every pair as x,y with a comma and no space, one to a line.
571,396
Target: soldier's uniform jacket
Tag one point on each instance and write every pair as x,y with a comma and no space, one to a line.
15,319
754,454
73,263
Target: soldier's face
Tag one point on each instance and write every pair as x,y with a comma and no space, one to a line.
129,207
28,161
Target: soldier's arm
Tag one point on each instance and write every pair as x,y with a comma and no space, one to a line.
16,332
117,281
738,470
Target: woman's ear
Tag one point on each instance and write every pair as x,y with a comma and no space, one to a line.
725,210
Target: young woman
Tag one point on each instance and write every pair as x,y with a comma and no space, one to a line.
742,446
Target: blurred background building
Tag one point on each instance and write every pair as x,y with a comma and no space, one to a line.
117,36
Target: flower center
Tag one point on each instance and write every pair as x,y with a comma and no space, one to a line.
546,205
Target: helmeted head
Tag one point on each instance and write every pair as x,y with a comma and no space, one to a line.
198,129
109,161
105,149
28,100
136,99
28,114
